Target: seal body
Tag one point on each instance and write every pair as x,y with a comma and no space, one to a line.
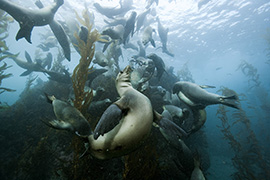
68,118
115,33
129,27
159,63
195,96
101,59
147,36
134,126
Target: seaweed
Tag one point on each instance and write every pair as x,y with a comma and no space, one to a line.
143,163
251,72
82,98
184,74
3,76
248,158
80,73
4,24
267,38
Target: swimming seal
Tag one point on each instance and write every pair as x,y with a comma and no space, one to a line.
28,18
68,118
195,96
102,60
125,125
147,36
163,34
129,27
59,33
159,63
140,19
28,65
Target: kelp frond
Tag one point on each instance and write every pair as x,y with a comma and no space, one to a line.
87,50
251,72
248,160
4,22
4,76
267,38
27,88
184,74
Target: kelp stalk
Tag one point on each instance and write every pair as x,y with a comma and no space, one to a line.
87,50
80,73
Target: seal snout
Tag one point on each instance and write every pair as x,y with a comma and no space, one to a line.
127,70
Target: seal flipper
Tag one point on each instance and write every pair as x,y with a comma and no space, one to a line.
28,57
153,42
61,125
231,101
25,73
169,128
109,119
171,132
25,31
207,86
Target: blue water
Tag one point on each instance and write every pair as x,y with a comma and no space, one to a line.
212,41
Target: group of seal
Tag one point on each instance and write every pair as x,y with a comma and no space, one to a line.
126,124
123,126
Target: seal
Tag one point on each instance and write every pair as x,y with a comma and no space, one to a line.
102,60
28,65
129,27
125,124
68,118
147,36
116,32
140,19
110,12
159,64
195,96
163,34
176,111
28,18
59,33
197,173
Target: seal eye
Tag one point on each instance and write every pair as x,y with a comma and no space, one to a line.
121,72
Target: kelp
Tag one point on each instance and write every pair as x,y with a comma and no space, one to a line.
80,73
3,76
143,163
248,158
28,84
38,165
184,74
82,98
4,22
251,72
267,38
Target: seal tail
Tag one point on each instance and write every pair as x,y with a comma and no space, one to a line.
230,97
49,98
230,103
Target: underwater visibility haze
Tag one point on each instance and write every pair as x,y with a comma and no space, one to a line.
135,89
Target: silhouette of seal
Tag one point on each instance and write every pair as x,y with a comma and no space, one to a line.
28,18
